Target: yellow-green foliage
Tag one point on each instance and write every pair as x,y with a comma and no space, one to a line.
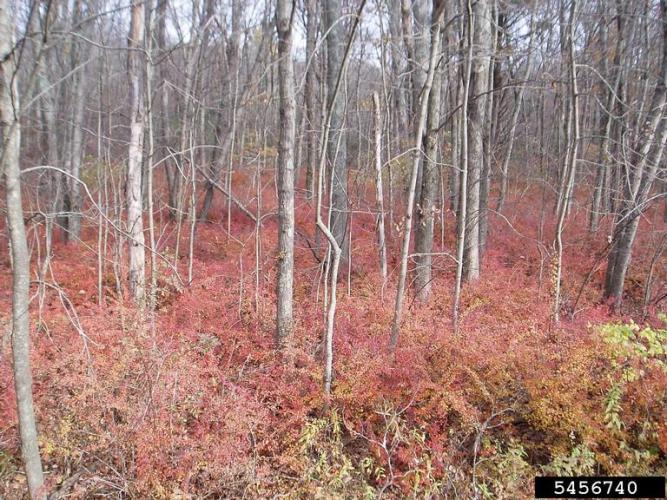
506,473
635,354
329,471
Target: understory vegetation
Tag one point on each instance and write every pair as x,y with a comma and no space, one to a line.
331,248
195,400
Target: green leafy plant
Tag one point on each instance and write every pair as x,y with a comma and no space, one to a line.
580,462
634,351
505,473
635,354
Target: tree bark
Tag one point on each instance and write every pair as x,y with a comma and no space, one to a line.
163,132
284,320
310,94
645,162
614,108
230,86
419,67
570,163
336,250
436,26
515,119
20,257
491,119
76,157
427,208
379,196
135,225
476,118
462,206
337,144
409,42
398,91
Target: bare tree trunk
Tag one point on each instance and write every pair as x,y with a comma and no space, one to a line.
419,67
284,320
646,159
515,118
20,257
163,125
491,113
421,38
570,164
135,225
437,16
198,40
379,196
427,207
230,85
605,128
76,158
311,112
337,145
336,250
462,205
408,40
610,121
476,117
456,128
80,52
53,183
150,158
398,92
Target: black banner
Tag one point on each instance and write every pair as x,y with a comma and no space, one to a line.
600,487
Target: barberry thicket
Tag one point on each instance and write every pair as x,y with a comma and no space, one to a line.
331,249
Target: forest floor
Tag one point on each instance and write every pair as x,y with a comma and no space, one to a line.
194,401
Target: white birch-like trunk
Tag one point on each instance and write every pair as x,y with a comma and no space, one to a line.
379,195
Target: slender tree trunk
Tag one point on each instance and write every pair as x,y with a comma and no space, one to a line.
461,219
379,196
79,53
610,121
188,117
419,68
135,225
337,145
163,129
456,128
335,249
310,91
284,321
605,127
476,119
491,113
515,119
570,164
230,87
398,91
438,14
51,189
646,159
427,208
150,159
20,256
409,42
76,158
